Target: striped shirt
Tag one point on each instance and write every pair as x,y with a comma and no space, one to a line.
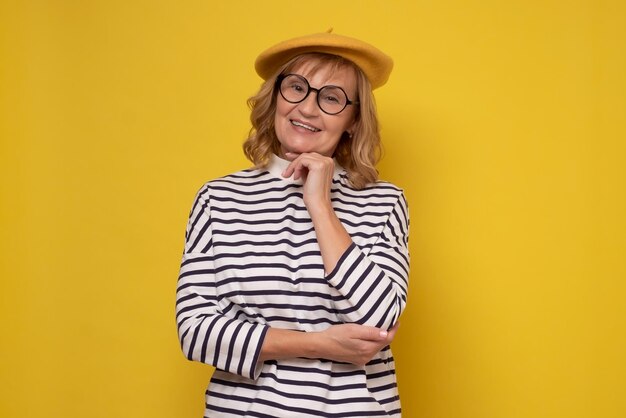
251,261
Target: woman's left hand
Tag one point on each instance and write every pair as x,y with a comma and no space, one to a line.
317,173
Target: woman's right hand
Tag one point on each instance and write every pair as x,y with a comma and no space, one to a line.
348,343
353,343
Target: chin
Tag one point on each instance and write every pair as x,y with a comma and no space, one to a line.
297,148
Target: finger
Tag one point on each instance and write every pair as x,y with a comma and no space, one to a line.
291,155
300,170
291,167
299,162
371,333
392,332
299,167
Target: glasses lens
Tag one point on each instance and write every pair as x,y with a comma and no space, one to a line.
294,88
332,99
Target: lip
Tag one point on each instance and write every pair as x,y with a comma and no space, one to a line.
302,126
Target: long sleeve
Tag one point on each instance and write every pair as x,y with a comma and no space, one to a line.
252,261
206,334
373,287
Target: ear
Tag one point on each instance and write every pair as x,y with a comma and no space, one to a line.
350,128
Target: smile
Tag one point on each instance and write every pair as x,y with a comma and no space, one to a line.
302,125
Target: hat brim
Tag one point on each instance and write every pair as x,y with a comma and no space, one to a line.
374,63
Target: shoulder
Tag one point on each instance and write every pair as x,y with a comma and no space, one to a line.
251,177
380,189
241,177
381,197
253,181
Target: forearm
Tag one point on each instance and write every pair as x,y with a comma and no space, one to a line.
317,172
375,283
283,343
332,237
371,295
349,343
205,333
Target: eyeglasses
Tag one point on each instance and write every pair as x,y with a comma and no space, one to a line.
331,99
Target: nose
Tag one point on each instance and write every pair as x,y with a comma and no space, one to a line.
309,105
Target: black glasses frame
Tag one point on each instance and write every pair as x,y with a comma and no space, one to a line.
281,77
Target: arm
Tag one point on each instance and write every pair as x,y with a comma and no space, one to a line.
317,172
349,343
208,336
374,287
205,334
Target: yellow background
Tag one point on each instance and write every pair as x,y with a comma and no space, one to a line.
503,121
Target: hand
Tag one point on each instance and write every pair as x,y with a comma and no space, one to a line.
353,343
316,172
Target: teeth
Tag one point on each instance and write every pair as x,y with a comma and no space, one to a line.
302,125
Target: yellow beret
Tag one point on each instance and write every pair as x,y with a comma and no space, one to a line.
374,63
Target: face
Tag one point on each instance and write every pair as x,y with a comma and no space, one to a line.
304,127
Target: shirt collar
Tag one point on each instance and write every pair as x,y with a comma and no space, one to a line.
277,165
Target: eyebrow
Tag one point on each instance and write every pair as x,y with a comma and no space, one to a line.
312,72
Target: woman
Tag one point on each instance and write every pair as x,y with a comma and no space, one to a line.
295,272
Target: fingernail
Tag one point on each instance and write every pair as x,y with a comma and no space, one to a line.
383,334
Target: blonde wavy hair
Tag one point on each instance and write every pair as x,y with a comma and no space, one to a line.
357,153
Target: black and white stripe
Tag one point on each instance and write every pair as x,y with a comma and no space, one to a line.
252,261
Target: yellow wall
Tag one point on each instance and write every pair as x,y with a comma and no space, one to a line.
503,121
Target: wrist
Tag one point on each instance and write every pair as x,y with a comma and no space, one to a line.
314,344
320,210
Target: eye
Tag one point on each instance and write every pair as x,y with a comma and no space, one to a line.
297,86
333,95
